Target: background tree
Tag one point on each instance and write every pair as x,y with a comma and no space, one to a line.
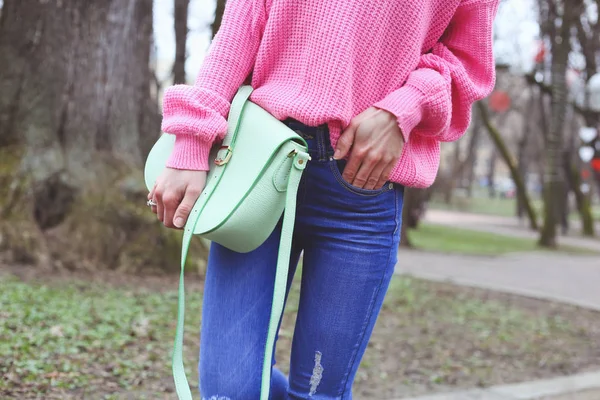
181,8
557,22
219,9
76,120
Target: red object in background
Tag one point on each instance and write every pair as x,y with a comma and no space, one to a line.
541,54
596,164
585,174
499,101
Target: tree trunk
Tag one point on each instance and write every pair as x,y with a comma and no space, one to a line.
563,200
414,204
181,31
596,175
491,175
573,179
522,147
588,34
448,183
473,146
219,9
510,162
76,117
455,176
584,206
553,177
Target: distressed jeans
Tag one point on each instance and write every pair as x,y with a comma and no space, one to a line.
349,239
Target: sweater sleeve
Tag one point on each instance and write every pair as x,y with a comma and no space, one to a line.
197,114
435,102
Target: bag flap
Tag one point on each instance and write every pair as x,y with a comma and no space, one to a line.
259,138
256,137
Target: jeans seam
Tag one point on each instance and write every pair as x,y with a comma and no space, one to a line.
374,298
398,213
369,316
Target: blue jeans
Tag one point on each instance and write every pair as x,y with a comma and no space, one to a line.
350,239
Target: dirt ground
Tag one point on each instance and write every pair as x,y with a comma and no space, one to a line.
430,337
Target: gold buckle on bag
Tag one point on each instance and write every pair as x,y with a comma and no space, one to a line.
225,160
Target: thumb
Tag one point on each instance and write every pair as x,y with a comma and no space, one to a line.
185,207
345,142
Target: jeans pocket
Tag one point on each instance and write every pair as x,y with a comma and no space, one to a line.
337,169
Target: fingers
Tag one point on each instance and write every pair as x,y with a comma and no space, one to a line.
386,172
175,193
151,197
367,169
171,201
353,165
151,194
374,181
345,141
363,176
185,207
160,208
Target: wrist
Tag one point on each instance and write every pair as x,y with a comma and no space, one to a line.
390,118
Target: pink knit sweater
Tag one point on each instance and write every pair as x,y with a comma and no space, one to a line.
325,61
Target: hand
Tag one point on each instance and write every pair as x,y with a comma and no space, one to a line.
375,143
175,193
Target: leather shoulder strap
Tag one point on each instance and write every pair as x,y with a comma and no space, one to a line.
235,112
283,266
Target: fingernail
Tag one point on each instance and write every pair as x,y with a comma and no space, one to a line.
337,154
178,222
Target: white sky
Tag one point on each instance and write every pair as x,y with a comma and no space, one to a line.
201,14
516,31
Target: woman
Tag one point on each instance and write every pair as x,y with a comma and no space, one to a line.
374,86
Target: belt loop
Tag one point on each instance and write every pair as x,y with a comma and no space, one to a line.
321,146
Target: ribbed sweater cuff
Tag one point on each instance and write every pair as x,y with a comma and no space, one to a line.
193,110
190,152
406,104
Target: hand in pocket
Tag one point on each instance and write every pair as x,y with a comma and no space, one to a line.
374,141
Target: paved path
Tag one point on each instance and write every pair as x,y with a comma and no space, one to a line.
585,386
586,395
506,226
560,277
553,276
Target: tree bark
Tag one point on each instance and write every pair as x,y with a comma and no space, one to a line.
408,210
472,154
76,119
584,206
454,178
460,166
510,162
181,31
414,205
553,177
219,9
491,175
574,181
523,145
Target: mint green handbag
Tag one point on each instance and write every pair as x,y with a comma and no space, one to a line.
253,179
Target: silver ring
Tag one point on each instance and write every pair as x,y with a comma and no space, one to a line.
151,203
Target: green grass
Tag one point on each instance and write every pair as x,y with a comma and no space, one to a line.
440,238
77,339
481,204
85,336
